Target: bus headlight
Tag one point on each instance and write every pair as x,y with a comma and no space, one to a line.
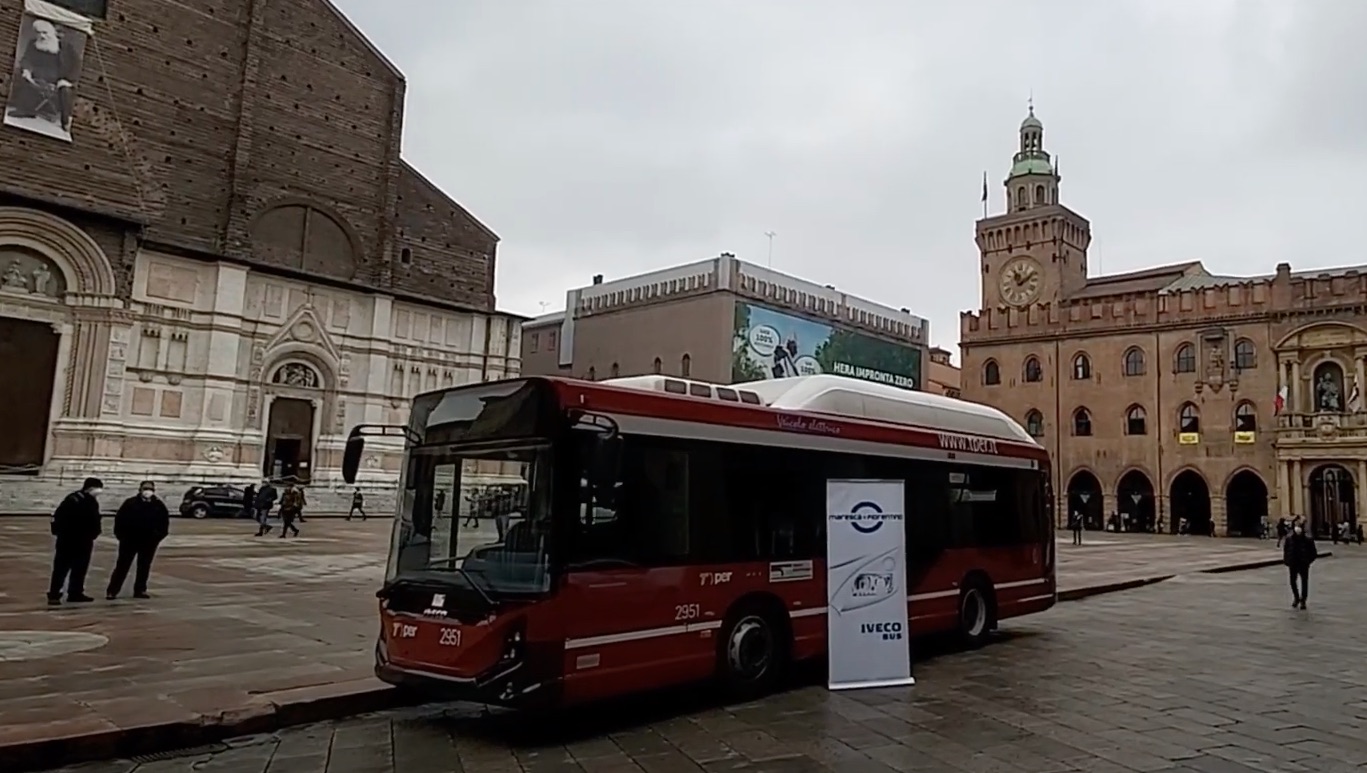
514,645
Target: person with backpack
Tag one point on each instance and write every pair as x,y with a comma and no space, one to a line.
265,500
76,525
292,504
357,505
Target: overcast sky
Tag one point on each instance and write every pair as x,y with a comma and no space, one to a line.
619,136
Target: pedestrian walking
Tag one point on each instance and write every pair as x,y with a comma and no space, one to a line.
140,525
249,501
1075,523
265,500
292,504
357,505
76,525
1298,553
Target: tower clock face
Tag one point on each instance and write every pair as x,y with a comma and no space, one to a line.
1020,281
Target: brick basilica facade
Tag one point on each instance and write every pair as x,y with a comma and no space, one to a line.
1168,396
213,259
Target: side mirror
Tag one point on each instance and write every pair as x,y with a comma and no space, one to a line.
351,457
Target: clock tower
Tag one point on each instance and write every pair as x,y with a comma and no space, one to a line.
1036,251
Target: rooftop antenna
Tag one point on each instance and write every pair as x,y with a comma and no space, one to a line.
543,306
771,235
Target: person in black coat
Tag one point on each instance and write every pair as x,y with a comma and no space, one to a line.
1298,553
76,525
265,500
140,525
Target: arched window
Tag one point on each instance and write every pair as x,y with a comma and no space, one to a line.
659,366
1039,194
1189,418
593,375
616,371
1134,362
1245,418
1185,359
1034,423
1082,368
1082,423
1245,355
1033,372
686,366
1020,197
992,375
1136,421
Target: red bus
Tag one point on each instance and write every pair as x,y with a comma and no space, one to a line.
561,541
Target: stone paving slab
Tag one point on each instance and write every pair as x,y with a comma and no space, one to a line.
242,631
1207,673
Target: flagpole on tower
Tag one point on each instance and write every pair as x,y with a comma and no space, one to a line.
984,195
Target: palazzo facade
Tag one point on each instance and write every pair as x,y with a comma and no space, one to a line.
1171,398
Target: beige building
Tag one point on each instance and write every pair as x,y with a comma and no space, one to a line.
723,321
943,376
1157,391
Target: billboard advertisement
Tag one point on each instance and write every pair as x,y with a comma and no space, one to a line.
771,344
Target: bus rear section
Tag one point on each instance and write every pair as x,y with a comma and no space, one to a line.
658,536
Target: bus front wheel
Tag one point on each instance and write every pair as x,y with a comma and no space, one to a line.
752,652
977,612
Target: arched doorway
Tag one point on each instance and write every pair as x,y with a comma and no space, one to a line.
1190,499
1333,500
1245,505
1135,501
289,428
1084,497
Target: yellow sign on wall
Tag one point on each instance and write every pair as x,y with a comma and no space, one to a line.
1188,438
1245,438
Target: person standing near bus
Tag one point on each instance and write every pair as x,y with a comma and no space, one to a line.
1298,553
1075,523
357,505
140,525
76,525
291,507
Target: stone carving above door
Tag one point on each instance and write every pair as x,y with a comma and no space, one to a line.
24,273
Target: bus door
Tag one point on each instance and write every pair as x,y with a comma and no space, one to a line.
626,623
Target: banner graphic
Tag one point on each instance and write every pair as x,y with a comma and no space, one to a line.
867,637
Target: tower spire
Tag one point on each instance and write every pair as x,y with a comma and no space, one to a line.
1033,181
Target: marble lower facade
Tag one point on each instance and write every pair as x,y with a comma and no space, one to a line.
207,371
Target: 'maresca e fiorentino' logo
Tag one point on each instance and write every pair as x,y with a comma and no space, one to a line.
866,517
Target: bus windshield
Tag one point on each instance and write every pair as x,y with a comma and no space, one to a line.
476,493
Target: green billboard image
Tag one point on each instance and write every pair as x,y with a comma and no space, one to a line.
771,344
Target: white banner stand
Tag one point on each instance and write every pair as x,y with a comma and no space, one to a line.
867,636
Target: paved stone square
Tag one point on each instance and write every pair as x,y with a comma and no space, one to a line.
238,626
1201,674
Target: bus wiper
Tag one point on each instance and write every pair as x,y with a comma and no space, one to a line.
469,578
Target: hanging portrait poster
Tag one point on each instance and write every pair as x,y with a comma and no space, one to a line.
48,58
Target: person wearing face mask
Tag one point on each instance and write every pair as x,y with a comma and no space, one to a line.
76,525
1298,553
140,525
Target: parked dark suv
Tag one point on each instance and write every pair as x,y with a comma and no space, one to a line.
212,502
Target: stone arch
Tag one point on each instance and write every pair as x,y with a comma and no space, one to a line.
1136,500
308,354
1189,501
306,234
1245,503
85,266
1085,497
1349,334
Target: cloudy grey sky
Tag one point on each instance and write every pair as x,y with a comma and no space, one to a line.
618,136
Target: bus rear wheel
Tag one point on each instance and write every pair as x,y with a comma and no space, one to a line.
976,613
752,652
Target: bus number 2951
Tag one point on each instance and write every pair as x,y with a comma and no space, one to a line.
687,611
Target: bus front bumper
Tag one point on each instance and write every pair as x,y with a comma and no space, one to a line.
510,684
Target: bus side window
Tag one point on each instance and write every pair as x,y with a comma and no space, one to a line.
647,522
927,509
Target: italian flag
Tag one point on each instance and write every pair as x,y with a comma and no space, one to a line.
1280,402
